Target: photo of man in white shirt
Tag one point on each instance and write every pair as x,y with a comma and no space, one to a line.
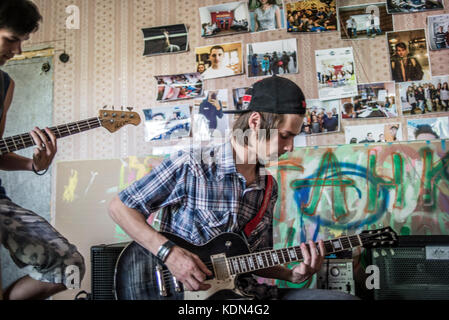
217,69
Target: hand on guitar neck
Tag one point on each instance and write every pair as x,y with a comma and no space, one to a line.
46,148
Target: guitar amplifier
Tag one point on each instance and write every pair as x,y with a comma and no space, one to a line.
336,274
417,269
103,258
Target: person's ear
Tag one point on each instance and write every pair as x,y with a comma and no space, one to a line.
254,121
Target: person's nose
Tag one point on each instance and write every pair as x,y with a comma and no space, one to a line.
17,49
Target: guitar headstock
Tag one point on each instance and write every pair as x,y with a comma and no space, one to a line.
384,237
113,120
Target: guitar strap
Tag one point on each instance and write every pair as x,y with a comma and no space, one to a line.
250,226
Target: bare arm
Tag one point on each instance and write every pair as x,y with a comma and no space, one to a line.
184,265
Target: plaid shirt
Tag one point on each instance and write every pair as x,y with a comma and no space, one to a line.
201,198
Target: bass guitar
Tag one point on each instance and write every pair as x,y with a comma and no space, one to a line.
139,275
112,120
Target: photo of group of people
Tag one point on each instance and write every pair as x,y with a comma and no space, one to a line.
428,129
336,73
411,6
364,21
438,31
373,133
311,16
272,57
224,19
374,100
421,97
179,86
165,39
321,117
162,123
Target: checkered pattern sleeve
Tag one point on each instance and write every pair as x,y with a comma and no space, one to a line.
162,186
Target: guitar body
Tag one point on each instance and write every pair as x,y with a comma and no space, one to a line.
136,277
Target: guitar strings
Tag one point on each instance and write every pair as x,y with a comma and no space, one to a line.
26,138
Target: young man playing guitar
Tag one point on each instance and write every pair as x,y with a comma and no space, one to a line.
32,242
209,191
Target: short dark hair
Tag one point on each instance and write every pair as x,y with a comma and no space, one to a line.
425,128
216,48
20,16
401,45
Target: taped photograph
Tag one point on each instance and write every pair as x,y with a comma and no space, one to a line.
409,58
272,57
179,86
420,97
412,6
336,73
165,39
209,121
391,132
374,100
224,19
238,96
364,21
311,16
162,123
428,128
220,60
438,31
266,15
321,117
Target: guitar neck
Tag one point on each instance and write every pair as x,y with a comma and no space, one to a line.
25,140
271,258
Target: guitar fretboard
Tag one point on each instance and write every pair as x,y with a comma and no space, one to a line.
270,258
25,140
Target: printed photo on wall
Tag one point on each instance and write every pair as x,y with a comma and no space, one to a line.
179,86
311,16
272,57
208,118
428,128
266,15
409,59
238,95
374,100
390,132
165,39
412,6
419,97
221,60
438,31
224,19
167,122
336,73
364,21
321,117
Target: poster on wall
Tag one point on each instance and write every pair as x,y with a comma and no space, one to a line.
374,100
220,60
428,128
412,6
266,15
238,96
165,39
364,21
371,133
224,19
311,16
179,86
409,59
438,31
272,57
321,117
419,97
163,123
208,118
336,73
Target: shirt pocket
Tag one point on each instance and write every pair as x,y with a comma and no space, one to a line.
213,218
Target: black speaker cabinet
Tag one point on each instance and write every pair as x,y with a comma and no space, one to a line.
417,269
103,258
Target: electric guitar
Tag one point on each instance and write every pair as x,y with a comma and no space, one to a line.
139,275
112,120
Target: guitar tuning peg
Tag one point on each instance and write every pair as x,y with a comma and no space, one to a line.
105,106
129,108
112,107
383,253
375,254
121,108
392,252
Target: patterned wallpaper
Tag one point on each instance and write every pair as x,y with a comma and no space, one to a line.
107,67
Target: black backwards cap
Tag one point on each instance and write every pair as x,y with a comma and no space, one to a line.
275,95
